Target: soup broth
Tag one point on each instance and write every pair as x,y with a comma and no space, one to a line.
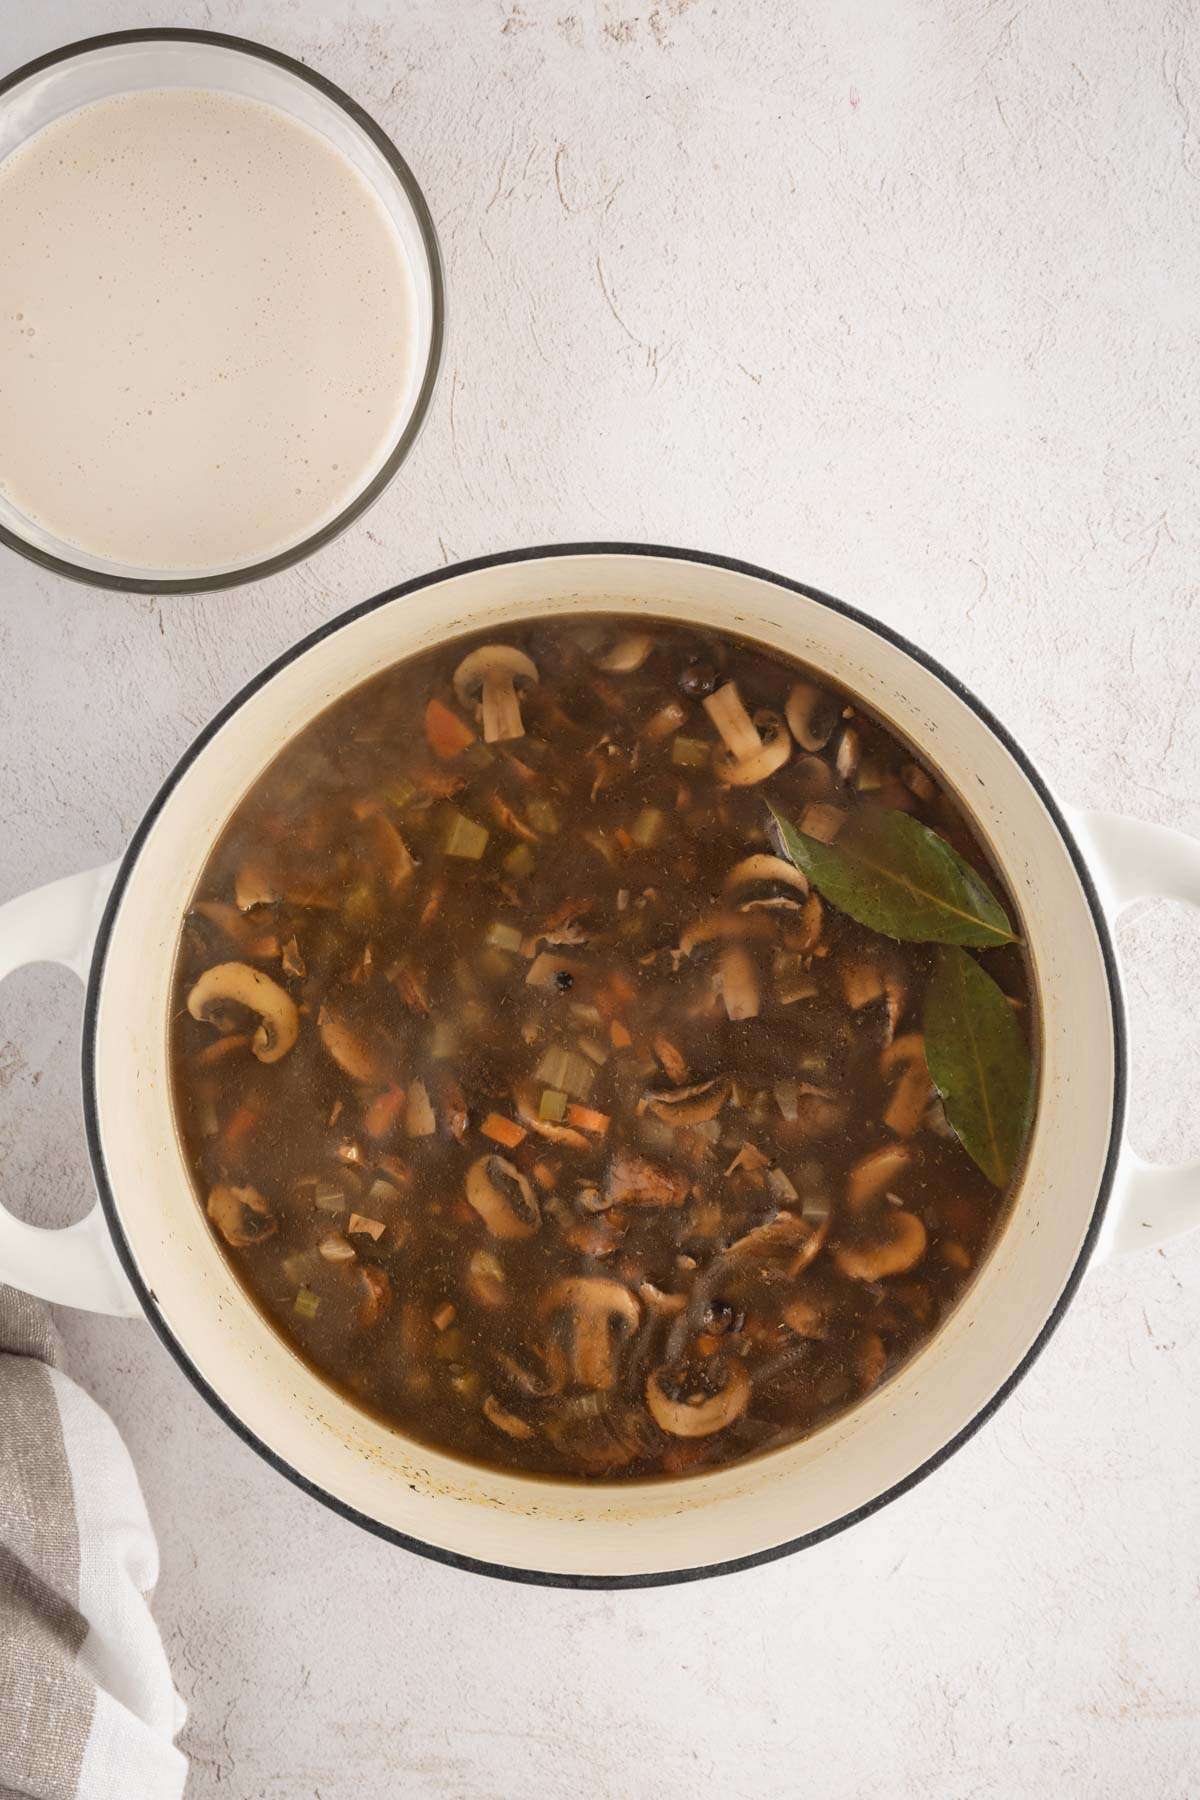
560,1100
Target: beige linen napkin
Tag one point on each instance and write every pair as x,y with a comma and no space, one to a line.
88,1710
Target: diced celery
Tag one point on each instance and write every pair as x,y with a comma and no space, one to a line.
561,1068
504,937
596,1051
690,753
553,1066
400,791
647,828
307,1303
553,1104
465,838
359,909
445,1041
519,862
542,817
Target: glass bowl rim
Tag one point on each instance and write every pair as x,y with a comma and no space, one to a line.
414,420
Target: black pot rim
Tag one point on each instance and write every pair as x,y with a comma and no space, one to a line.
401,449
455,1559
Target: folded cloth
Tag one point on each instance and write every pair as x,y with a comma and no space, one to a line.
88,1710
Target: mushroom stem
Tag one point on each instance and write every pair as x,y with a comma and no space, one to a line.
501,708
737,728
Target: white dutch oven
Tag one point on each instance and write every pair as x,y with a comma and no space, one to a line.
117,928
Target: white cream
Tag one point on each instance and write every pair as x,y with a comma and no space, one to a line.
206,330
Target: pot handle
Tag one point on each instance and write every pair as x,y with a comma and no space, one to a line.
1133,859
77,1265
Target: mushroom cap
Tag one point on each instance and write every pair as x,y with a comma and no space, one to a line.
897,1247
239,984
694,1104
351,1051
774,751
874,1173
761,867
812,714
241,1215
714,1413
598,1307
508,1211
492,659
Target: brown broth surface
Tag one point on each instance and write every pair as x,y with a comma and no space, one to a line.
546,996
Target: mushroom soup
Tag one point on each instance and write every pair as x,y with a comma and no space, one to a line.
604,1053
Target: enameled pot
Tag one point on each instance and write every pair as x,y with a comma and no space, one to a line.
146,1247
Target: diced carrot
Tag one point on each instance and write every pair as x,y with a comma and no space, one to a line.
545,1174
448,734
382,1114
240,1126
621,987
503,1131
620,1036
706,1343
588,1119
623,838
445,1315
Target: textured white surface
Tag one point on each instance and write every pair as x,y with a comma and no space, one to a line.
899,298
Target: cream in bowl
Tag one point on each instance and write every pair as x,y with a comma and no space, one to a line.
211,331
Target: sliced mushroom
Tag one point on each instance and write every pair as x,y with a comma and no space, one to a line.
241,1215
502,1197
862,984
762,870
666,1306
634,1180
350,1050
505,1421
788,1242
485,1279
692,1105
489,678
903,1062
538,1374
376,1290
600,1313
897,1243
812,714
628,652
804,1317
870,1360
698,1414
237,984
751,748
255,885
251,938
873,1174
739,983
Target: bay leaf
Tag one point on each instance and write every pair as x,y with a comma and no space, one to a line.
979,1062
896,876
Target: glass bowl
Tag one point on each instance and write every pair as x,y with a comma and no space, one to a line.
125,61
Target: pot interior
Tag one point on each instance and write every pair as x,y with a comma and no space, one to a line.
604,1530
